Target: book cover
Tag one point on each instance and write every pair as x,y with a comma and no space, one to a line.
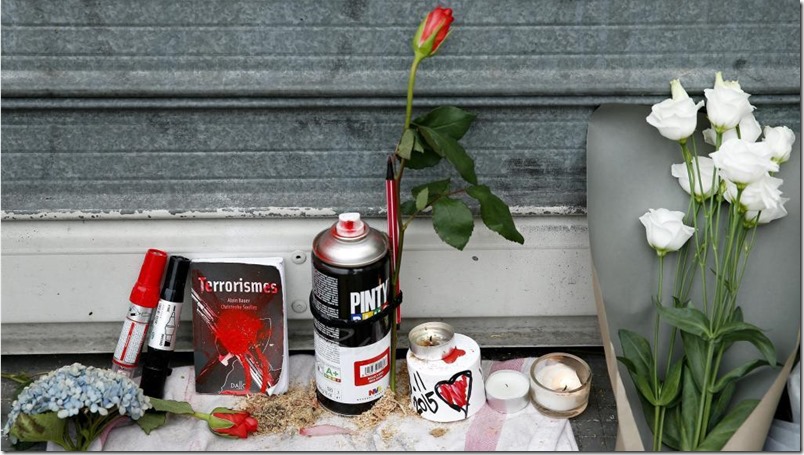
239,326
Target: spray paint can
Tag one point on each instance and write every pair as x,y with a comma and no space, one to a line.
143,299
350,303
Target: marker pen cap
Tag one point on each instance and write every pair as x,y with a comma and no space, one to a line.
146,291
175,277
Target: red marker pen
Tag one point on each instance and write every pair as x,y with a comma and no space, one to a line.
144,297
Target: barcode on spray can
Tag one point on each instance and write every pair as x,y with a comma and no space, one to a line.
373,369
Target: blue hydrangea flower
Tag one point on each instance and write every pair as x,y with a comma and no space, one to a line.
77,388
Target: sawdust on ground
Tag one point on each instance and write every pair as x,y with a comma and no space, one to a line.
299,408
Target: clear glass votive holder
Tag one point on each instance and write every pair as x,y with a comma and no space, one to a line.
560,384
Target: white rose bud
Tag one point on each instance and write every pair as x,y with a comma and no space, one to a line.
675,117
749,131
780,142
767,215
743,162
760,195
666,230
726,104
704,170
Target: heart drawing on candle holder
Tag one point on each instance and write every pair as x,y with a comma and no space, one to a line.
456,391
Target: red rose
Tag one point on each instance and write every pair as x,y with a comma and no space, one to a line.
233,424
432,31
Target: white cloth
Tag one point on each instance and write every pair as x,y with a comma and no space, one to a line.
526,430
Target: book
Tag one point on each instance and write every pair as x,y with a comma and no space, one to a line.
240,334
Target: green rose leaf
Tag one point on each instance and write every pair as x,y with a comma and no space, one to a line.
408,208
724,430
434,189
39,428
152,420
495,213
686,319
452,151
406,144
426,159
417,142
453,222
421,199
171,406
449,120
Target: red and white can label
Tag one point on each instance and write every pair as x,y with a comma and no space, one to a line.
352,375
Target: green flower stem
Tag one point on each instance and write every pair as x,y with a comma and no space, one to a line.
657,410
700,429
398,184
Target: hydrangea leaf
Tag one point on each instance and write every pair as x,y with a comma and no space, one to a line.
39,428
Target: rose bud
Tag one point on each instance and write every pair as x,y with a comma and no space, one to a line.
432,31
231,424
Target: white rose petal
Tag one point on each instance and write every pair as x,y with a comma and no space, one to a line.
704,169
760,195
675,117
780,141
726,103
769,214
665,230
743,162
750,130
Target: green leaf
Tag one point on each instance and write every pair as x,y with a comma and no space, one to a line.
39,428
434,189
671,437
690,400
453,222
495,213
426,159
686,319
737,315
683,437
421,199
417,142
171,406
637,349
734,331
724,430
720,404
152,420
452,151
695,352
449,120
645,389
737,374
408,208
406,144
672,383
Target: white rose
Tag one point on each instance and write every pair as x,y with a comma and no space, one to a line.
780,141
675,117
767,215
665,230
704,170
749,130
726,104
743,162
760,195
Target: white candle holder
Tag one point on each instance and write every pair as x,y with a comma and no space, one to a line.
507,391
560,385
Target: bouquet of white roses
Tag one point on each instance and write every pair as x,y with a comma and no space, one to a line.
733,192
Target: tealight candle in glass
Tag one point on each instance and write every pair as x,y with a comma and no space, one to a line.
560,385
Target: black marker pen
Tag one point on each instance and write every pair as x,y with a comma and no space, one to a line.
162,341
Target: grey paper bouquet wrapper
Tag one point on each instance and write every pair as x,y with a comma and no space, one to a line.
628,172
